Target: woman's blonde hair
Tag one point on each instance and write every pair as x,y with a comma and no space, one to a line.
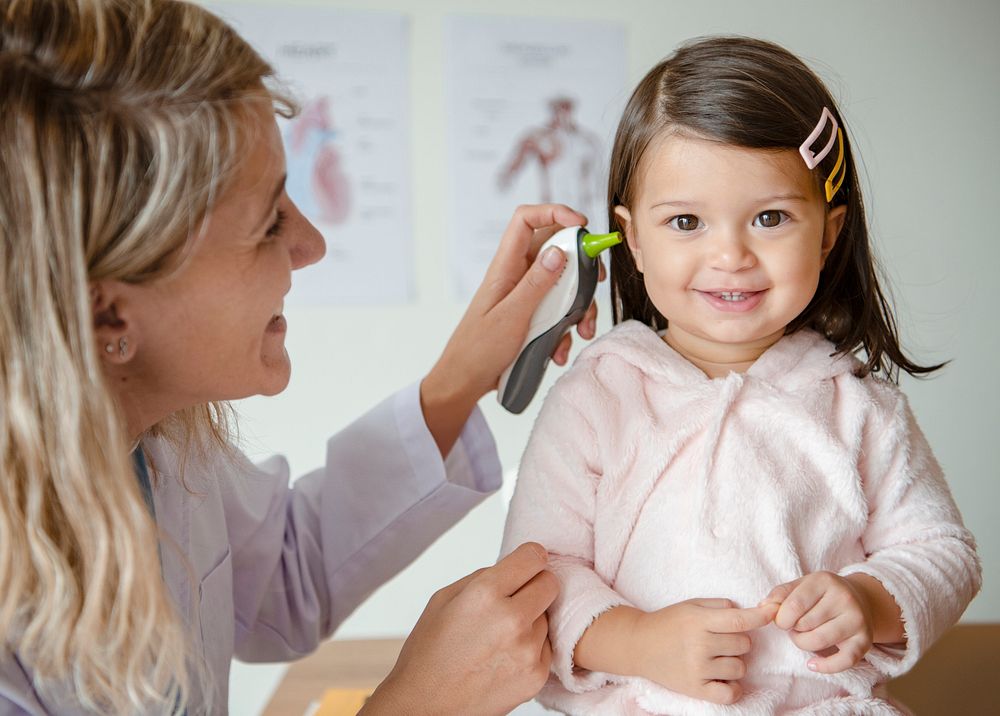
121,124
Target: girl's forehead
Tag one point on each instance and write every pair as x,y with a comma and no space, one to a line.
685,163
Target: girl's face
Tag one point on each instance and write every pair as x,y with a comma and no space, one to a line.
730,243
214,329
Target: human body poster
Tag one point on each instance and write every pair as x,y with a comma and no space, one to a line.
533,105
347,151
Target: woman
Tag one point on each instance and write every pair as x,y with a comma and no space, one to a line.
146,245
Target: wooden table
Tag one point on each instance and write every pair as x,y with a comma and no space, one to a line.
959,676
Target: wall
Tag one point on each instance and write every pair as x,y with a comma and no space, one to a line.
917,82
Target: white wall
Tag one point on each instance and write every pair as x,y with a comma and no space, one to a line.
917,82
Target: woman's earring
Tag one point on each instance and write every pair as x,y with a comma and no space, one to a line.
123,346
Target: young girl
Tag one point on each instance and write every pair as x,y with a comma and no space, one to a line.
743,515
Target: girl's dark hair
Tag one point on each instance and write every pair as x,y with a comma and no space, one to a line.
755,94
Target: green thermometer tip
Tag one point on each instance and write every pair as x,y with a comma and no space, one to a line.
593,244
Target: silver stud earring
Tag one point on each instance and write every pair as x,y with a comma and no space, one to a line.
123,346
109,348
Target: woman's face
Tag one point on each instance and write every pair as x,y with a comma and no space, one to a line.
214,329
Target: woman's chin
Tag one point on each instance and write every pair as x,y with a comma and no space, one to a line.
277,373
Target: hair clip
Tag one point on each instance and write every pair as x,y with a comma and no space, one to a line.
839,168
813,159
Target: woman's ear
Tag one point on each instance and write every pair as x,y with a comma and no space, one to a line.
625,217
116,341
831,231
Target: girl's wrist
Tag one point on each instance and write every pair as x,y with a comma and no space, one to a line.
886,617
611,643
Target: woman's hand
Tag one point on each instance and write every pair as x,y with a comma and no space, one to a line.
837,618
496,323
480,647
694,647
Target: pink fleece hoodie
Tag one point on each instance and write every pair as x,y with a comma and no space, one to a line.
650,484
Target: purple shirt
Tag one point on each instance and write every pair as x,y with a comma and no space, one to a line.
276,568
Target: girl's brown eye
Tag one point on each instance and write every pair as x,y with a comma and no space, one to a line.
769,219
685,222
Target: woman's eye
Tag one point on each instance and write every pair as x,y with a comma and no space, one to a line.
275,228
685,222
770,219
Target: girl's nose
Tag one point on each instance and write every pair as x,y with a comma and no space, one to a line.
306,245
730,251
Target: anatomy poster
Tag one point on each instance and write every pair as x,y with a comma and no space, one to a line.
347,151
533,106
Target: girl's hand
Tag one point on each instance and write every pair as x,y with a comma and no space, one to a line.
834,617
697,647
480,647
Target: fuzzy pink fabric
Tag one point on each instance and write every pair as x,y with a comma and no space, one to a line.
650,484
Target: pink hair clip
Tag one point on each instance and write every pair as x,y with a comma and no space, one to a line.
812,160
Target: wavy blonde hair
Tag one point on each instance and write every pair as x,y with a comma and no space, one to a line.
121,124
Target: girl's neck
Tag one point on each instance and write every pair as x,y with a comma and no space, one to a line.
717,360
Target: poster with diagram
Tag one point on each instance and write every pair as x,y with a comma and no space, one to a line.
532,105
347,151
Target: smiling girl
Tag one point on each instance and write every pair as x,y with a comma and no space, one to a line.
738,503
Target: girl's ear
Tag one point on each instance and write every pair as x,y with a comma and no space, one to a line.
831,231
625,217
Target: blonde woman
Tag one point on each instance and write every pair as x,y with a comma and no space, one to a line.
146,244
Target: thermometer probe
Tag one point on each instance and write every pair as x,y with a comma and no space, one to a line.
563,306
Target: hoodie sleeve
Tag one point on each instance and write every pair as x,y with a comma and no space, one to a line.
553,504
915,541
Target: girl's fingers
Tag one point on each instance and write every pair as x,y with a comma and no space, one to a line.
824,636
798,602
780,593
722,692
733,621
726,668
848,654
730,644
823,611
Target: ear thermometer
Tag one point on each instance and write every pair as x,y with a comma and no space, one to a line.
563,306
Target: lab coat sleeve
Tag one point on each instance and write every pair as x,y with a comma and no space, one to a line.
553,504
915,541
305,557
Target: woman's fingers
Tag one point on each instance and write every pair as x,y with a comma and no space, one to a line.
537,595
515,570
560,356
516,248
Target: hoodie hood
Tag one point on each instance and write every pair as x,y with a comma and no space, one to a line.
796,361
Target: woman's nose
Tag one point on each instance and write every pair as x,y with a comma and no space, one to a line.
730,251
306,243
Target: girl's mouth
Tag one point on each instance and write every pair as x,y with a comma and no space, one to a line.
733,301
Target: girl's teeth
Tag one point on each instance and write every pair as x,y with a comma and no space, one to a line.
732,296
